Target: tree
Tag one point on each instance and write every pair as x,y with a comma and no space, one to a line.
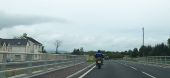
134,53
81,50
43,50
160,50
57,45
169,42
113,55
78,51
142,50
168,45
145,50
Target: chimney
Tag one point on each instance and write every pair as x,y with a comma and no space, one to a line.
24,35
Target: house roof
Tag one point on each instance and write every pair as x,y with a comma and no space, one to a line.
14,41
33,40
18,41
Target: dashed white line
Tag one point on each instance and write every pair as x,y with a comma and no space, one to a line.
141,71
148,75
133,68
87,72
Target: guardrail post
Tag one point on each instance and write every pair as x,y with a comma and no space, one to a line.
29,60
165,60
56,62
45,62
153,61
156,60
160,60
74,60
147,62
3,66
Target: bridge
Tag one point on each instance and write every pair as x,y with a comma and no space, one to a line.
27,65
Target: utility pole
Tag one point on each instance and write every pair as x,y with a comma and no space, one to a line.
143,36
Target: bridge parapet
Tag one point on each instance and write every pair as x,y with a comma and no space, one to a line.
19,65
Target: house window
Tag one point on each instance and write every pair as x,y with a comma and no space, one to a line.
19,43
17,57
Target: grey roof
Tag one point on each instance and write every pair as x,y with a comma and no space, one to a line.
33,40
18,41
14,41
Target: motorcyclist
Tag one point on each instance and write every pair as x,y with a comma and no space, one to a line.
99,55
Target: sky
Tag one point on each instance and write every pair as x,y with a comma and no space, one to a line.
114,25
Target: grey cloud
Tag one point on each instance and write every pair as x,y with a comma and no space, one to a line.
8,20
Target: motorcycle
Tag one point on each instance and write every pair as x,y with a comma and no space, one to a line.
99,63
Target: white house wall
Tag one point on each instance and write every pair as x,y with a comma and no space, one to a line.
19,49
37,48
33,48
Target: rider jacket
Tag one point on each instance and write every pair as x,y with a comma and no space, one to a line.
99,55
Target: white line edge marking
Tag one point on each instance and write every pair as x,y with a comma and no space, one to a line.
148,75
133,68
87,72
79,71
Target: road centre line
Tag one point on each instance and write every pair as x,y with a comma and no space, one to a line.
129,66
141,71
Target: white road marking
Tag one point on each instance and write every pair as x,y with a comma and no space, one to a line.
87,72
148,75
129,66
70,76
133,68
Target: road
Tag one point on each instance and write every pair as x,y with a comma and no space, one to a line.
63,73
122,69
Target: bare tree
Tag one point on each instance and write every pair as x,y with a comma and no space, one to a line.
57,45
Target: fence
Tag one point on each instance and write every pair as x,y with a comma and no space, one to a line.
19,65
156,60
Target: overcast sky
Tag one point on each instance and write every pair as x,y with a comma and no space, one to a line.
114,25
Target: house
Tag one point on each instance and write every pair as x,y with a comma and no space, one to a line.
19,47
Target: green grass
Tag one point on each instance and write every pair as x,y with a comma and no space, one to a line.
90,59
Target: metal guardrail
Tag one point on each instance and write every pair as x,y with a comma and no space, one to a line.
25,64
156,60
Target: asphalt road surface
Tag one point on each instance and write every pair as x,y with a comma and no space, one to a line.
122,69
